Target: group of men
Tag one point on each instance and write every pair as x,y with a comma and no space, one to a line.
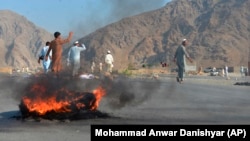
51,55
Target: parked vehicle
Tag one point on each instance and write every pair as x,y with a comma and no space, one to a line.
208,70
214,73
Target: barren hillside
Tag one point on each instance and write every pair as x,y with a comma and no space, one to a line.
218,32
20,41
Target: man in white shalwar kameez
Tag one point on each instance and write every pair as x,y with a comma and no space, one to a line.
46,63
109,60
74,56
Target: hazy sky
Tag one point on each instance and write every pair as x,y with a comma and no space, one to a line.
80,16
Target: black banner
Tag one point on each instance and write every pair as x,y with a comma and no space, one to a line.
204,132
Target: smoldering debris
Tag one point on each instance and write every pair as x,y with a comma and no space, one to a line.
62,98
121,91
242,83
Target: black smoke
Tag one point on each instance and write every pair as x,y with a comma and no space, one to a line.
123,91
110,11
120,90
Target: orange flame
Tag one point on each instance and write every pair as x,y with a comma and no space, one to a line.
99,93
41,104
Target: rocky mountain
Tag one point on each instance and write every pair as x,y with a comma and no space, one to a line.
218,32
20,41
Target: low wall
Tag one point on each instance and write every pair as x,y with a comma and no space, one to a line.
6,70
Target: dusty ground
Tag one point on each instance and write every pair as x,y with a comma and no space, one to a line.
199,100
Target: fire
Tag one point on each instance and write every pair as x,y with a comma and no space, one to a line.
99,93
42,106
60,101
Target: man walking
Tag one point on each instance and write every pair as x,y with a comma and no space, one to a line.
74,56
100,67
93,67
46,63
179,59
242,71
226,72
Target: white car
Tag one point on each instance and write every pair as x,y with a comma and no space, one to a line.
208,70
212,71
